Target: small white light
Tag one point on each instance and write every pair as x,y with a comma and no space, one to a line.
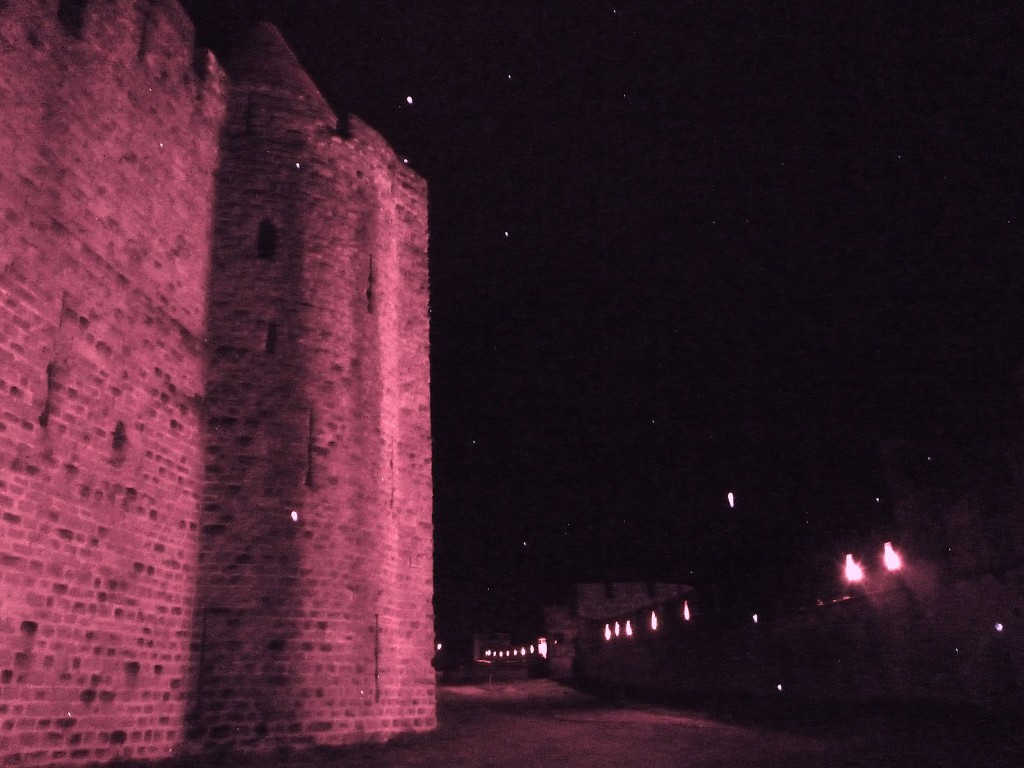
542,647
617,629
778,687
686,611
487,653
408,99
629,629
295,516
439,646
506,233
999,627
755,618
732,500
405,160
532,650
297,165
654,620
607,632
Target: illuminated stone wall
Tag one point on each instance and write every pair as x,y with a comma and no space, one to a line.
156,433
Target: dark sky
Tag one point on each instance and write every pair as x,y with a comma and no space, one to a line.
747,244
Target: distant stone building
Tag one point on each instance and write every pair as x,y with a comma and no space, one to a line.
216,527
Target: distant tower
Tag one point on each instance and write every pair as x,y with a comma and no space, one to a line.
314,614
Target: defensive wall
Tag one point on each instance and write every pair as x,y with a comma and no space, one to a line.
914,639
215,480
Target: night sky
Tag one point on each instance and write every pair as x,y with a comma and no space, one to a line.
681,249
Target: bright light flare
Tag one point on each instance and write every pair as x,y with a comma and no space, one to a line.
892,559
617,629
654,620
732,500
542,647
607,632
853,570
629,629
686,611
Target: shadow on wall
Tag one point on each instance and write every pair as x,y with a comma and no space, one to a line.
258,461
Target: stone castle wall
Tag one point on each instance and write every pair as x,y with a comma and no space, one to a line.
169,396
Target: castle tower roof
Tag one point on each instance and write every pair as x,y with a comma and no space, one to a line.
262,60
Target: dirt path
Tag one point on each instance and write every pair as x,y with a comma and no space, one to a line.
539,724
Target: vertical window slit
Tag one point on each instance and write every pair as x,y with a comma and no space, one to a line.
309,453
266,241
144,34
271,343
370,279
51,373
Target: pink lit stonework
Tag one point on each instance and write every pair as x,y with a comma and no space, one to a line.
216,499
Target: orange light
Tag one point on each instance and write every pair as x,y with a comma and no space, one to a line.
893,561
853,570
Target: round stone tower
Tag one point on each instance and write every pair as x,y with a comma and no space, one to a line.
313,618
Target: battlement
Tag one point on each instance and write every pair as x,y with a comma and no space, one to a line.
120,34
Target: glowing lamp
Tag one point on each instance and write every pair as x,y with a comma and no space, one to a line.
607,632
522,651
999,627
853,570
531,649
732,500
629,629
891,557
755,618
542,647
487,653
654,620
616,629
439,646
686,611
